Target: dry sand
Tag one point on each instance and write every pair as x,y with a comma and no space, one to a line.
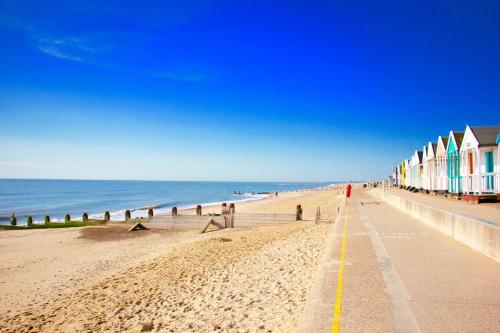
106,279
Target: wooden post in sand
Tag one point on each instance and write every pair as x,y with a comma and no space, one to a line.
67,218
29,221
198,210
47,219
13,220
298,214
127,215
150,213
318,214
106,216
85,217
174,211
231,208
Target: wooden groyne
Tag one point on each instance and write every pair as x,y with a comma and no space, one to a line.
226,210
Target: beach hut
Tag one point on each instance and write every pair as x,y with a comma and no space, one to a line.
393,179
399,180
403,173
497,175
453,152
417,170
397,175
477,160
430,167
413,180
408,179
441,165
425,170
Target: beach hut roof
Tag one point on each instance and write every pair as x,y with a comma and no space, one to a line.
486,135
417,157
431,150
433,147
442,144
459,136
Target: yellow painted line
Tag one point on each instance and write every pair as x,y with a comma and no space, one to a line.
340,279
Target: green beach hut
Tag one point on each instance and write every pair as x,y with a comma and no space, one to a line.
453,152
497,174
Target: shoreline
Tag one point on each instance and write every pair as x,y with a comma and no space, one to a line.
138,213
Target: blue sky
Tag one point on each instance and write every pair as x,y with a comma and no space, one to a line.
246,90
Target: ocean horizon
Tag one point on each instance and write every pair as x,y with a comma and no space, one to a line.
58,197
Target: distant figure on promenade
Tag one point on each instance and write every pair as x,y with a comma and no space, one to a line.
348,191
276,194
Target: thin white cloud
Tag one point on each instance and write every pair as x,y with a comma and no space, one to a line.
14,24
55,52
86,50
76,43
69,48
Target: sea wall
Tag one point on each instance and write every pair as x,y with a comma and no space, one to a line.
480,235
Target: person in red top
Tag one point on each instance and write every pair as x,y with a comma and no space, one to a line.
348,191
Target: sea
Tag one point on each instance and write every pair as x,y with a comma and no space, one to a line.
56,198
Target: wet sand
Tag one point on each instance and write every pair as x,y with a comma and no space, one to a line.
106,279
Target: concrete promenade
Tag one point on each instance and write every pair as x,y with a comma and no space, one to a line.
484,211
398,274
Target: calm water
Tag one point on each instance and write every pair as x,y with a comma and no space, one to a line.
37,198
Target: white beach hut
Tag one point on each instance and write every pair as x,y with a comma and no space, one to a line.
393,179
497,178
412,178
425,170
417,170
477,160
397,175
430,167
441,165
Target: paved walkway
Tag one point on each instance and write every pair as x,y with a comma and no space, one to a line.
400,275
484,211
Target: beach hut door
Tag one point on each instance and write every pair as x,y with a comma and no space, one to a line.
489,171
471,164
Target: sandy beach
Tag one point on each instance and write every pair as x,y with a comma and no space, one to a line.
107,279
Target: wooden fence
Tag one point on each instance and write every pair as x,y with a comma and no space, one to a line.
175,222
